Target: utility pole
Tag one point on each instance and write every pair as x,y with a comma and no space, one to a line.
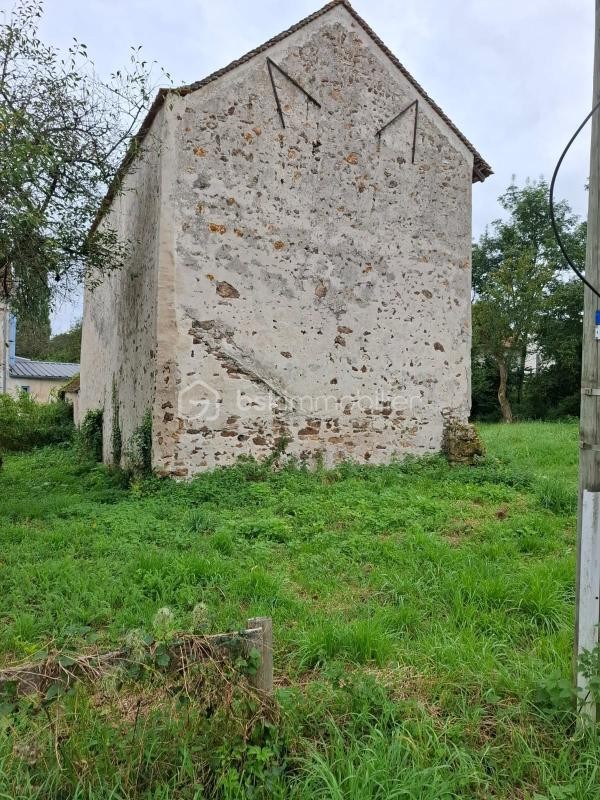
588,517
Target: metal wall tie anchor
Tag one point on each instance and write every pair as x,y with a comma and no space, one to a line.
270,65
414,103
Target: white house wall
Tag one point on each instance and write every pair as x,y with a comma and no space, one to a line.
40,389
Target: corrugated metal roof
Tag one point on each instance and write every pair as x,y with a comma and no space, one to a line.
49,370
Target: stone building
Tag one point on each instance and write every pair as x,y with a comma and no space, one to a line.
299,273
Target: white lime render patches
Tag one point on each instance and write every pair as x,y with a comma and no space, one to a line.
307,281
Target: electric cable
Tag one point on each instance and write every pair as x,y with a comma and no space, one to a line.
555,231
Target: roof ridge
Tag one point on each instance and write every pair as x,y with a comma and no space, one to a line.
192,87
481,169
480,164
40,361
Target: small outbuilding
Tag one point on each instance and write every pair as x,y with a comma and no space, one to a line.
300,267
41,379
70,393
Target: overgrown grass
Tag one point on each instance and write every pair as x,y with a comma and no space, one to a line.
417,609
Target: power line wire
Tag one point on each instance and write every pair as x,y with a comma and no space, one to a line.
557,236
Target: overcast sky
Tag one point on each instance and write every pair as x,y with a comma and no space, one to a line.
514,75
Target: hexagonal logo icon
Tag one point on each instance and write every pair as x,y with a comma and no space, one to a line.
199,400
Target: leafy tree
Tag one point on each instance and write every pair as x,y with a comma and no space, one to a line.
560,328
554,390
34,341
484,388
66,346
33,338
63,133
515,266
504,319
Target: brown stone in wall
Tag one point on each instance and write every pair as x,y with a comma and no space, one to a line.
225,289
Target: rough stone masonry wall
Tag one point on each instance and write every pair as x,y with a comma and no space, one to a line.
313,265
118,348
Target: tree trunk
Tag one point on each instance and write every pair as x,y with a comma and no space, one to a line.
523,359
502,392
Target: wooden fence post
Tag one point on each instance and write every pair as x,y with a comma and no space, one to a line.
263,679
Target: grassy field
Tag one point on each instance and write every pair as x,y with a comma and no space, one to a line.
423,621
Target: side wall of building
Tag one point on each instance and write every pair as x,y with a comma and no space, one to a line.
73,398
316,280
118,348
42,390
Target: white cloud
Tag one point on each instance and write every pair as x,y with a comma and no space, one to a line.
514,75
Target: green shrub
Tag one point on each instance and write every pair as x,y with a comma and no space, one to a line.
555,695
89,436
138,453
25,424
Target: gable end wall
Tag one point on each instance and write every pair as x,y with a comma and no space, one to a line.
318,282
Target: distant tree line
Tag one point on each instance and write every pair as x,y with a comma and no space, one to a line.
35,341
527,311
